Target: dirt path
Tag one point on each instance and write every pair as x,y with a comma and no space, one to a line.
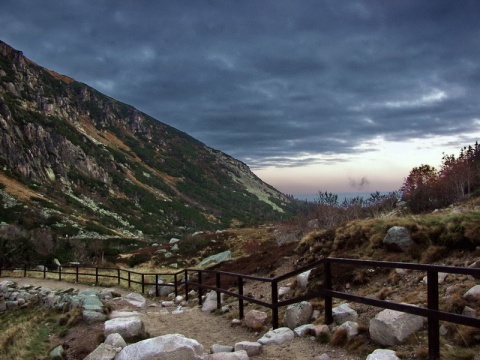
206,328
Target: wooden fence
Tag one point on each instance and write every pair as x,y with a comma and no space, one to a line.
221,281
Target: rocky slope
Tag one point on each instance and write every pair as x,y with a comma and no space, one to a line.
79,164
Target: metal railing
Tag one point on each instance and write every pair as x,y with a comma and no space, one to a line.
219,281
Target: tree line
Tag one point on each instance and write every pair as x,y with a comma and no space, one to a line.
458,178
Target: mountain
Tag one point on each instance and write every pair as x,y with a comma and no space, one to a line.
75,163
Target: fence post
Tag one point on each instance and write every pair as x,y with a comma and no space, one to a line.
156,285
327,285
44,272
59,273
128,279
274,304
240,301
200,288
25,270
219,294
433,324
118,276
76,273
96,275
143,283
185,278
175,279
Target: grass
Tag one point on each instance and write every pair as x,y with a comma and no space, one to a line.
24,334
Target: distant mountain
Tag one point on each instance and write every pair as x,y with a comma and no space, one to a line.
76,163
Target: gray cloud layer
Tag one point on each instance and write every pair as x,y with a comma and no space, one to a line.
266,81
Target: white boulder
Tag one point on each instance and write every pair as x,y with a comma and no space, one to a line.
252,348
165,347
277,336
344,313
390,327
255,319
128,327
297,314
383,354
136,300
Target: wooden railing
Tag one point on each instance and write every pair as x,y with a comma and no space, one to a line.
219,281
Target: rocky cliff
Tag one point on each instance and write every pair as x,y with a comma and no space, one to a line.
78,163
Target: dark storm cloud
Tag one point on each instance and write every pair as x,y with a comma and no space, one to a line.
269,82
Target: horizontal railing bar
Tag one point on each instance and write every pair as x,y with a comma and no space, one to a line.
249,277
403,265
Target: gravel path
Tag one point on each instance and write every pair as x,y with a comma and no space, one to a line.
207,329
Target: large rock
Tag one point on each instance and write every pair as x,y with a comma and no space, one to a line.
103,352
344,313
473,293
166,347
252,348
215,259
297,314
92,317
398,238
255,319
128,327
302,279
277,336
383,354
351,328
210,302
58,353
136,300
390,327
237,355
116,340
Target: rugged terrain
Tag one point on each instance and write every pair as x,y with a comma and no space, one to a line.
76,164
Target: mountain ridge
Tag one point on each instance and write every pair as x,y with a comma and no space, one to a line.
85,162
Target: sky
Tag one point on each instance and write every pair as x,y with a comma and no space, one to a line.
321,95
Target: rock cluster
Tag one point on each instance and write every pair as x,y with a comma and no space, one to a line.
387,328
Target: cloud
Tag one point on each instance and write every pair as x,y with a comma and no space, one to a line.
273,83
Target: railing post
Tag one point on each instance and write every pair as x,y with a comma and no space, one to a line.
156,285
185,278
175,279
219,294
274,304
433,324
76,273
200,292
143,283
96,275
59,273
118,276
240,301
44,272
25,270
327,285
128,279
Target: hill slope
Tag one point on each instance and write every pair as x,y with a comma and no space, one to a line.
77,163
